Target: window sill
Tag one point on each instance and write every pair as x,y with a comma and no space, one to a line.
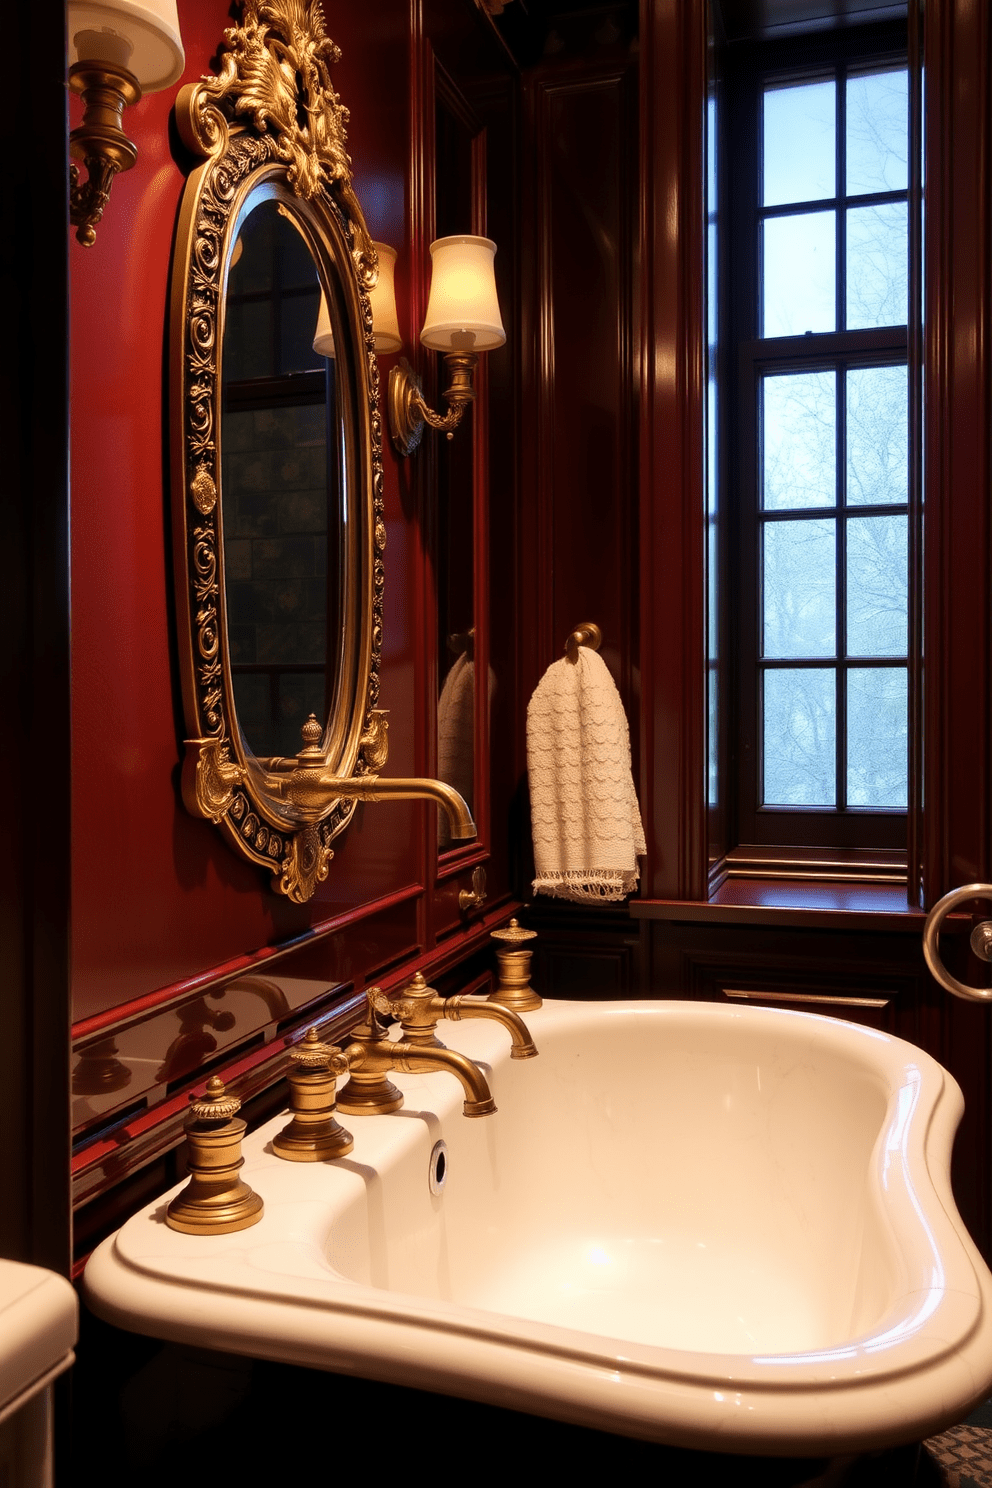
825,905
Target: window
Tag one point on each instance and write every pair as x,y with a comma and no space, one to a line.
817,461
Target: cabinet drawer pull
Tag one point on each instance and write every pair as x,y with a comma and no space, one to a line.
755,996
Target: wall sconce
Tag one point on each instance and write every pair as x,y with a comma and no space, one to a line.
323,341
385,324
382,299
462,320
118,49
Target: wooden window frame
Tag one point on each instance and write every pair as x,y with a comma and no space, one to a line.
755,830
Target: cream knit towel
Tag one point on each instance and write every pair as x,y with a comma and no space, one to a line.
583,808
456,737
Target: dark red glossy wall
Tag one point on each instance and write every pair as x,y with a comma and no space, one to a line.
157,896
184,960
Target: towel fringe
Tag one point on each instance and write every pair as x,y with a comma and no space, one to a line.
582,885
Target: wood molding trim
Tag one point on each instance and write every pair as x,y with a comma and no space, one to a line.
672,284
115,1020
957,838
35,886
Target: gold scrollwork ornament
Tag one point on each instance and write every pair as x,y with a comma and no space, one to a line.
275,75
203,490
210,777
305,864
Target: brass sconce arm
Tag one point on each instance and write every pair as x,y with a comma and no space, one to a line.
408,412
118,51
99,141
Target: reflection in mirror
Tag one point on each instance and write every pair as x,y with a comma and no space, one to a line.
282,486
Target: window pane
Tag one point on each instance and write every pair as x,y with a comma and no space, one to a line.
877,586
298,322
798,143
877,132
876,737
877,436
798,280
798,588
877,265
248,348
800,738
798,440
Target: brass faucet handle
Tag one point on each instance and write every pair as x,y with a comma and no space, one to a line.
382,1002
378,1000
314,1134
418,1008
311,1053
215,1201
214,1104
513,934
409,1004
513,954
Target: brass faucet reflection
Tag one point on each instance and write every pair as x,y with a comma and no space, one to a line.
312,788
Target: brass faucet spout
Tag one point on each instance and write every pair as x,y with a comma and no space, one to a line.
378,1056
478,1097
313,790
396,788
522,1045
418,1009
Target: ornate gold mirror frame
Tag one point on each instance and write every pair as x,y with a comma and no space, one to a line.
271,124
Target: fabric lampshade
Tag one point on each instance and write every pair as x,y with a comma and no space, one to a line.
385,323
463,310
140,35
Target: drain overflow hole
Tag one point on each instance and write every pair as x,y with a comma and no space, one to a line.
438,1171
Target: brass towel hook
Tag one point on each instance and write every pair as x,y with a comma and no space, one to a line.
586,634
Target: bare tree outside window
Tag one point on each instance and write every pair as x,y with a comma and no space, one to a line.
833,444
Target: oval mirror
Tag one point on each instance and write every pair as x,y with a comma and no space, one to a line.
277,462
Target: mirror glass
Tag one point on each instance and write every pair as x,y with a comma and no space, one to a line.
283,483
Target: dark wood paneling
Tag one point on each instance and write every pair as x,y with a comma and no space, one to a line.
578,495
34,664
583,953
672,329
957,826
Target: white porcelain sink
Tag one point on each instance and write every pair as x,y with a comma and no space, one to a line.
38,1327
723,1228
